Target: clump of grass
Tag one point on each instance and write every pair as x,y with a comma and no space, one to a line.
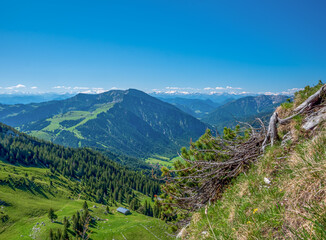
306,190
292,206
288,104
249,207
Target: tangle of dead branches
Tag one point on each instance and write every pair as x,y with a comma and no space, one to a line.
212,162
209,166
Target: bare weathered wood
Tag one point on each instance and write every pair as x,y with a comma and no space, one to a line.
271,131
305,106
312,99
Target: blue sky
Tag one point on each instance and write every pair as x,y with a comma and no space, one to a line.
258,46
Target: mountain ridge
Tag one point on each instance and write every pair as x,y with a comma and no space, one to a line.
244,109
128,121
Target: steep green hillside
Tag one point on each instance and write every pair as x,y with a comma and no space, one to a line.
27,194
280,195
36,176
244,109
129,122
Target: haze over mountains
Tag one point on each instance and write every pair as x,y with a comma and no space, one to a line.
23,98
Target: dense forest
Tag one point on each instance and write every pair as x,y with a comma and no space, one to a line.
100,179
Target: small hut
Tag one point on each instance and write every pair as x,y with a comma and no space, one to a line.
125,211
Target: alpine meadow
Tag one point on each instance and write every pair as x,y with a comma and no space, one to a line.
143,120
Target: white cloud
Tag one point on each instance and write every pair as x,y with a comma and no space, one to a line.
291,91
34,87
170,92
236,88
208,88
173,88
15,87
95,90
62,87
270,93
76,89
80,88
219,88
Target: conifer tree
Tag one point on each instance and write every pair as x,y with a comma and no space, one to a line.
85,205
52,216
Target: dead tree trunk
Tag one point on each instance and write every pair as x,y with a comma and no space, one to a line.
312,99
306,105
271,131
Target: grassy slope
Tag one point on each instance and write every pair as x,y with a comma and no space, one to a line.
252,209
81,117
291,206
27,207
160,161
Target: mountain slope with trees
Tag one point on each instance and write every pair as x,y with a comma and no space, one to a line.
195,107
39,178
244,109
129,122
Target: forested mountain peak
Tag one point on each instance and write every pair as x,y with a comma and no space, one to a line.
124,121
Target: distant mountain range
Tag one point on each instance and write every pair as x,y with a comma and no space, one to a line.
132,122
244,109
215,97
195,107
32,98
26,98
129,122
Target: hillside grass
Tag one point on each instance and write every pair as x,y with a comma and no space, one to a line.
281,196
81,117
27,208
253,209
161,161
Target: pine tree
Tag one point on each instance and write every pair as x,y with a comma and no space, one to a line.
51,234
85,206
66,223
52,216
65,235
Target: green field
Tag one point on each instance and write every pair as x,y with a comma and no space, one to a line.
160,161
27,208
56,125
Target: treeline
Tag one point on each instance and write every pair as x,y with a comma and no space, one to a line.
100,178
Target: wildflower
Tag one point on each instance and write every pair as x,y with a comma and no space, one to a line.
248,222
255,210
233,229
267,181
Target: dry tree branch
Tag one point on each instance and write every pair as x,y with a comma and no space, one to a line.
302,108
198,181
